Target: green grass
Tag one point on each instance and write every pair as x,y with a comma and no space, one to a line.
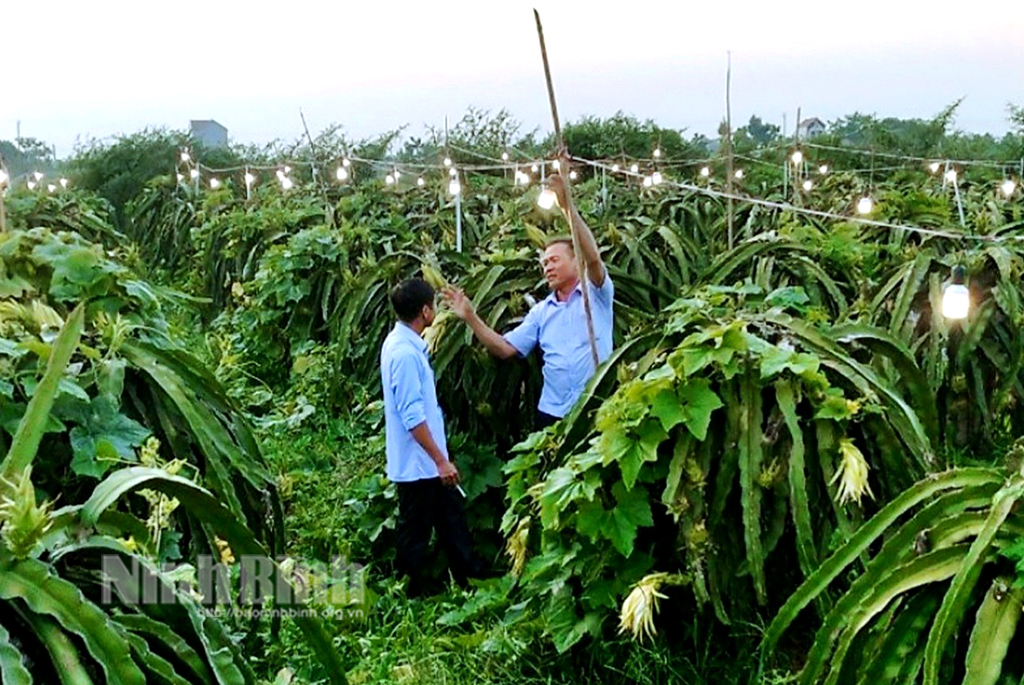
336,503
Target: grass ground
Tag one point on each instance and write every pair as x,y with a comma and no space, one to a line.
338,503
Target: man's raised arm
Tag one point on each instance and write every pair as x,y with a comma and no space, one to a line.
589,250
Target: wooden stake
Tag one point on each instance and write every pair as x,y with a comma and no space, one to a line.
317,177
581,266
728,145
796,171
3,195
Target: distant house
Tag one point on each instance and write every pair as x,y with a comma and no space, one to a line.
809,128
208,133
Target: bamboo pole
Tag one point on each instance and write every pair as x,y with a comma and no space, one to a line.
728,147
581,266
3,197
796,171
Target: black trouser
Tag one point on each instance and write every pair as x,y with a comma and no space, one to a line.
544,420
424,505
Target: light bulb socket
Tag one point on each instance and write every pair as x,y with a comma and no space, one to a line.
959,274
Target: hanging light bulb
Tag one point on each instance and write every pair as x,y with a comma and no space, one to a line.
389,179
823,169
705,172
249,178
398,174
656,178
865,205
38,175
635,169
342,173
934,167
808,186
648,181
346,163
739,174
950,176
522,178
504,156
420,182
555,164
1008,186
31,185
657,152
185,156
194,173
286,183
3,177
615,168
956,298
547,199
215,183
287,169
51,187
453,172
64,183
797,157
573,175
447,161
454,187
534,168
181,177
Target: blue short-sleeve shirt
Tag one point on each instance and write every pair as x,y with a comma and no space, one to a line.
560,330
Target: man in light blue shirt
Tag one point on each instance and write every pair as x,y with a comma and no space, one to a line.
417,452
558,324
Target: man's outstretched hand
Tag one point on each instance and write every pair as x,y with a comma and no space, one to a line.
458,302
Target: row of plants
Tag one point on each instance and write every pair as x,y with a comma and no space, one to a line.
105,414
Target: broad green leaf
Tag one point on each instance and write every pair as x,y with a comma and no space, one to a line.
699,401
103,436
667,408
76,268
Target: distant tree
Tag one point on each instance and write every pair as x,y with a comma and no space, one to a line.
760,132
1016,117
25,155
119,169
621,134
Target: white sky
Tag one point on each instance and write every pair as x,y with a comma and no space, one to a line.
105,67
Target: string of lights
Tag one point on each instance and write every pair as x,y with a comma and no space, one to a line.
649,181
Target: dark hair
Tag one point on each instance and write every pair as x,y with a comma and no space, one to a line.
409,297
561,240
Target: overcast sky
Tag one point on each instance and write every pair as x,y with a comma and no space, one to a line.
80,69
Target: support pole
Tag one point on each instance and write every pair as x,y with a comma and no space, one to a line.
581,265
458,220
728,148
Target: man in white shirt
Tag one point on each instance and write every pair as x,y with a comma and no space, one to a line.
417,453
